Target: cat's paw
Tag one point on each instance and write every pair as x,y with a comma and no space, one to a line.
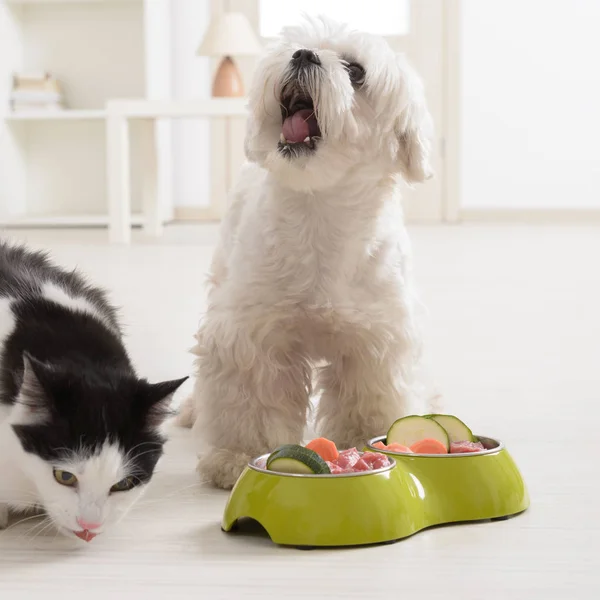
222,467
3,516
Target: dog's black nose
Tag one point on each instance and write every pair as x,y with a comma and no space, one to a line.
305,56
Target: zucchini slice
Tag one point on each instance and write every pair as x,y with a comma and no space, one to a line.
292,458
408,430
457,430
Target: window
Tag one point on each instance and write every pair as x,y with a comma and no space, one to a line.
383,17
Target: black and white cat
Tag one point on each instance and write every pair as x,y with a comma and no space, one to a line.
79,431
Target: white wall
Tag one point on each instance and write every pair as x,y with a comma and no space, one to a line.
191,79
531,104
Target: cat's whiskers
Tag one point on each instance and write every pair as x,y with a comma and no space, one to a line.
21,521
142,444
130,460
47,524
24,502
174,492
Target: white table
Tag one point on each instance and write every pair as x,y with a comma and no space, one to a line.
119,115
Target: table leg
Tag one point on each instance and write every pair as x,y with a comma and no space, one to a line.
152,224
118,179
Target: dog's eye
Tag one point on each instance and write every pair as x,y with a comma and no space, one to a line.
356,73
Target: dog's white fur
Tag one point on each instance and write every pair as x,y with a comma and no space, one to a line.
313,263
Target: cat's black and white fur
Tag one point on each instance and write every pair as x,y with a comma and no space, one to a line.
79,431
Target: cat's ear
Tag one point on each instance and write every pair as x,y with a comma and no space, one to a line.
33,400
157,398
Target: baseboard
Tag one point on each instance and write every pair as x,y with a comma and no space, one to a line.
530,215
202,214
466,215
195,213
60,221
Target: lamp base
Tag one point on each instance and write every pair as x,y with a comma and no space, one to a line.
228,81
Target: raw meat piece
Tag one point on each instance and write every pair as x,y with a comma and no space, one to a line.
361,465
464,447
348,458
334,468
376,460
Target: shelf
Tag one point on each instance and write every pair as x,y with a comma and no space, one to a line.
173,109
143,108
62,221
58,115
66,1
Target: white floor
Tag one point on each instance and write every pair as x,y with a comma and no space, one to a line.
514,345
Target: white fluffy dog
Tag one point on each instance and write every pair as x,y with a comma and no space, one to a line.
313,263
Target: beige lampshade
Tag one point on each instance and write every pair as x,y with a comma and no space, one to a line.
230,34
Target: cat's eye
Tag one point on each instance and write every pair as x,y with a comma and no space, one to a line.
65,478
123,485
356,73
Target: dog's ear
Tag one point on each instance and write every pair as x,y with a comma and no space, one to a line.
254,145
413,127
249,139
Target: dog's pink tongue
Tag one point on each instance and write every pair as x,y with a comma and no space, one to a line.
296,128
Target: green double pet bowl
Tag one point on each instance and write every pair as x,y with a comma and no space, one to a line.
382,506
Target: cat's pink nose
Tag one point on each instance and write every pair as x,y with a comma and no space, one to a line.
89,525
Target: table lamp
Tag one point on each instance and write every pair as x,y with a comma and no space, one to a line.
229,34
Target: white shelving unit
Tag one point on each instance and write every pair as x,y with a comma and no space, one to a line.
121,114
53,163
63,115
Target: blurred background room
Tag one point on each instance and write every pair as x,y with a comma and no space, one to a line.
513,98
123,118
121,131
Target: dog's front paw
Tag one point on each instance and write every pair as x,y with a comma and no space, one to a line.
222,467
3,516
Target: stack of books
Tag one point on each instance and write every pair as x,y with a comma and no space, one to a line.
35,91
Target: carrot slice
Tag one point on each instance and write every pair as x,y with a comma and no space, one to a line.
429,446
380,445
325,448
395,447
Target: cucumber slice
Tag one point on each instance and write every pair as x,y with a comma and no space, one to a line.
457,430
297,459
408,430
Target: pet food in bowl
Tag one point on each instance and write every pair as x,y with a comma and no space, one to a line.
460,477
321,457
301,499
430,435
315,495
